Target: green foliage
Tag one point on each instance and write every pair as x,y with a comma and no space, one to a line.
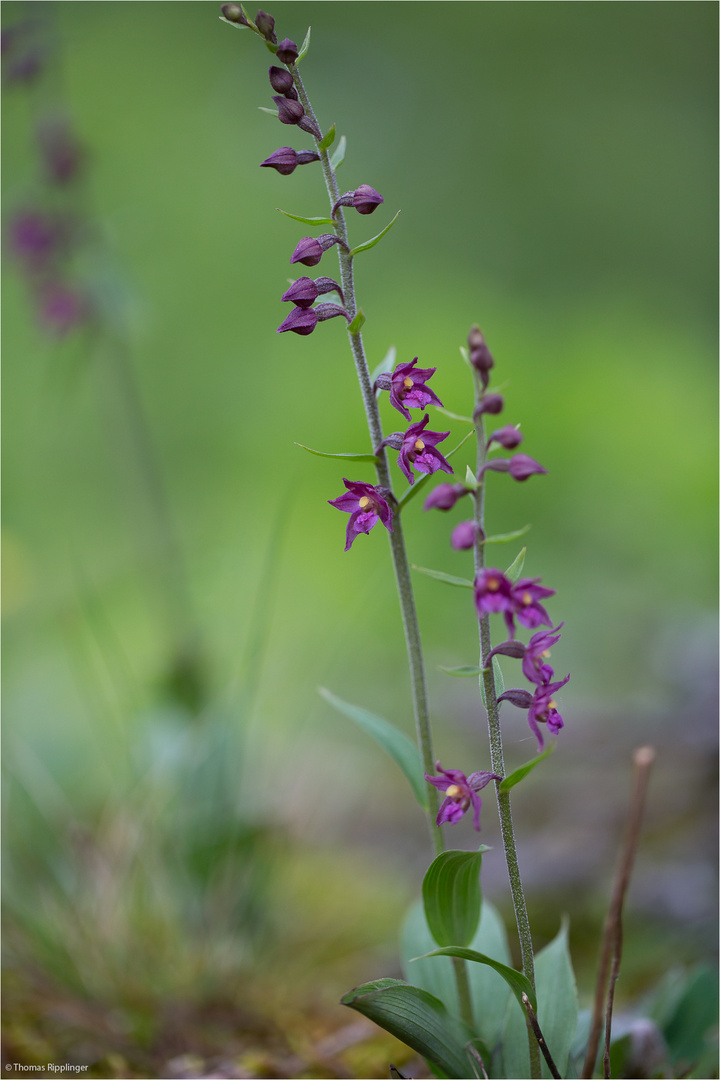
517,982
440,575
505,538
461,672
375,239
303,50
452,897
396,743
348,457
515,568
307,220
358,322
328,139
338,155
523,770
418,1019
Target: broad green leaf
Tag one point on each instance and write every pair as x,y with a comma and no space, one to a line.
304,47
517,982
307,220
418,1019
418,486
400,748
358,322
557,1011
452,897
270,112
385,366
328,139
338,156
471,480
689,1013
376,239
499,681
519,774
515,568
440,576
348,457
489,994
461,672
505,538
453,415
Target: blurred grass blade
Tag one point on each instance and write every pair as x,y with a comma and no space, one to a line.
375,239
418,1019
395,742
348,457
452,897
515,979
519,774
439,575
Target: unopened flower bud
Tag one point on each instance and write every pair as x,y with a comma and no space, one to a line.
491,403
508,437
285,160
480,356
304,292
310,249
445,496
365,199
304,320
287,51
282,82
463,535
266,25
234,13
289,111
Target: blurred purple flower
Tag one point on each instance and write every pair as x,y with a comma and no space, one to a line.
35,239
509,437
444,496
520,466
526,596
407,387
61,152
62,309
493,593
461,792
543,710
366,505
491,404
538,649
464,535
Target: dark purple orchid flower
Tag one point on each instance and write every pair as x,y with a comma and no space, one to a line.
310,250
366,505
493,593
289,111
543,710
526,596
407,387
304,292
285,160
287,51
464,535
538,649
418,450
444,496
461,792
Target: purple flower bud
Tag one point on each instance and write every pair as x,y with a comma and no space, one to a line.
234,13
445,496
289,111
304,292
463,535
285,160
310,249
509,437
365,199
282,82
61,153
522,466
480,356
491,403
266,25
300,320
287,51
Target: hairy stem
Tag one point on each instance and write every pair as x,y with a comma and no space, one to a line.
496,747
397,544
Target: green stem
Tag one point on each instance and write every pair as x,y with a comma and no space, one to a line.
463,989
496,748
397,543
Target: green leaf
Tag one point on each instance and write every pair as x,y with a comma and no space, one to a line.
307,220
489,995
515,568
328,139
517,982
376,239
519,774
271,46
418,486
465,353
557,1010
471,480
400,748
385,366
339,156
505,538
440,576
452,897
499,681
348,457
270,112
461,672
418,1019
357,323
689,1013
304,47
454,416
239,26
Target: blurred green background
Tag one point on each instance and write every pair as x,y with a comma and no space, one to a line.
181,808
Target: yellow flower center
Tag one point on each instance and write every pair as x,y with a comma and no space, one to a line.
408,383
454,792
493,584
363,502
545,652
419,444
526,598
